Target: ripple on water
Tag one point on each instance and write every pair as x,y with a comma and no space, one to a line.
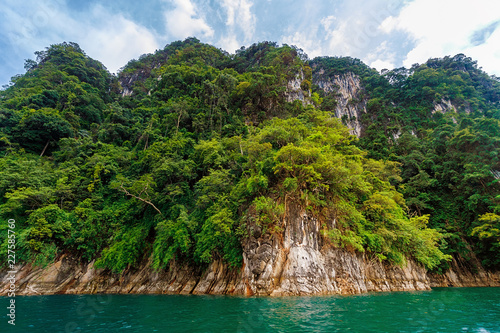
439,310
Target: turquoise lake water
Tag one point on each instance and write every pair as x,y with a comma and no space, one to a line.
439,310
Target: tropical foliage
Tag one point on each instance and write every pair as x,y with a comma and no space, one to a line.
201,144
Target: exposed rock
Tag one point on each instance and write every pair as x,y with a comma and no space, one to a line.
127,81
396,134
465,274
294,90
348,92
445,106
303,263
297,261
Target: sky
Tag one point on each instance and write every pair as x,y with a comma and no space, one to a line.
385,34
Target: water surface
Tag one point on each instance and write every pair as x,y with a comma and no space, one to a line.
439,310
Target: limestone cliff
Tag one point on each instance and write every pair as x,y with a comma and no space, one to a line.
297,261
465,273
348,92
294,89
300,262
127,81
140,71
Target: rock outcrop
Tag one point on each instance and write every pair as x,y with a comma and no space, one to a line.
67,276
348,92
297,261
294,90
464,273
445,106
127,82
300,262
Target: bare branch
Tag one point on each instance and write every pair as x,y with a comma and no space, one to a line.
139,198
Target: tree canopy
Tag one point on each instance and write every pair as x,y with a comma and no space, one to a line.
204,144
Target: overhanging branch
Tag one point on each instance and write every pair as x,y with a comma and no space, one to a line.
139,198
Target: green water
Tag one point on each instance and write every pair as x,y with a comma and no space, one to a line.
439,310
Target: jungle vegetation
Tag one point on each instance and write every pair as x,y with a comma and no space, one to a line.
174,158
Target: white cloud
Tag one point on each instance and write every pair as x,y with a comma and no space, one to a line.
347,33
116,41
239,19
354,29
229,43
382,57
328,22
445,28
420,30
105,36
239,13
487,54
336,35
326,36
341,40
303,41
382,64
184,21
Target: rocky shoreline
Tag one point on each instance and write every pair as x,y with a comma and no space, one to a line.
66,276
297,261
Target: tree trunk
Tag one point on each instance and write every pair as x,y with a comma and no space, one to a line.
147,140
178,122
45,148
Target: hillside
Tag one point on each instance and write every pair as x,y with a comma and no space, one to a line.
192,156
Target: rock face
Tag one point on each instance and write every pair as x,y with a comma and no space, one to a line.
297,261
294,90
445,105
348,92
465,274
127,82
301,262
128,79
66,276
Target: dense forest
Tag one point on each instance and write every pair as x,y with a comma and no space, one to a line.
174,158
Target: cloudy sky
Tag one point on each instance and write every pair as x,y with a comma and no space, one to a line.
382,33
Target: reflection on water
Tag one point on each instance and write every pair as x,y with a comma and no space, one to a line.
439,310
